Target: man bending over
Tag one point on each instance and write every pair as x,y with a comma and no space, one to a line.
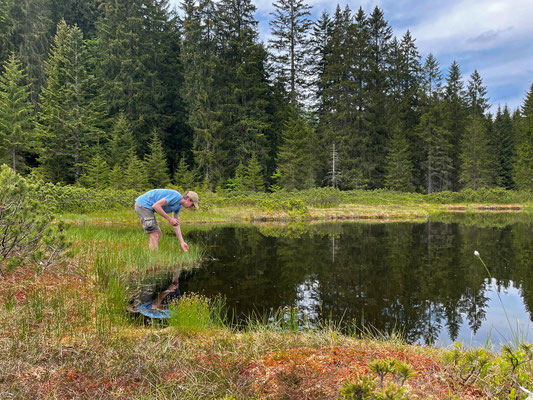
164,202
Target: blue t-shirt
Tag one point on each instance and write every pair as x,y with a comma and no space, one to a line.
172,197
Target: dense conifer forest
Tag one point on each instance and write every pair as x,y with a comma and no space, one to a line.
131,94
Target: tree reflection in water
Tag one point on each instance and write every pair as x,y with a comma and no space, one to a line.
421,279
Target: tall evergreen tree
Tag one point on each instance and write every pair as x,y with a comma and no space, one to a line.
139,67
504,147
184,177
322,31
476,164
156,164
120,142
243,86
253,178
454,117
16,119
523,167
399,168
200,63
67,118
290,46
476,95
435,139
135,174
294,158
30,37
97,172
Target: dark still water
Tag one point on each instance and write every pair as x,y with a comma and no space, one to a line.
418,278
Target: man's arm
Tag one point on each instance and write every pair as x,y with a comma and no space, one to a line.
177,230
158,208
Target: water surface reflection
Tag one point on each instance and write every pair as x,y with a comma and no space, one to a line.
420,278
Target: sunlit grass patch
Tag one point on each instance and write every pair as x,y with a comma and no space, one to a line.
194,312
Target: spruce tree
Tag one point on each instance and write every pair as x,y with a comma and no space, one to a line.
454,117
523,167
398,167
478,161
16,119
253,178
201,65
504,147
30,36
121,141
476,165
476,95
290,46
135,174
97,173
184,177
156,164
294,157
242,85
67,118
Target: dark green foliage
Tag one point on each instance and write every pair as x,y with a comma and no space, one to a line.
399,175
294,158
183,177
97,173
116,71
454,110
30,35
504,147
16,119
156,164
253,178
26,222
476,160
290,46
135,173
523,167
120,143
67,118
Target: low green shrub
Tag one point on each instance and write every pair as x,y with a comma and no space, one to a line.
27,231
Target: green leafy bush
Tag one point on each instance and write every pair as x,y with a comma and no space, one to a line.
26,224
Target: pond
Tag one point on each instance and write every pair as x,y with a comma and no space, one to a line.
419,279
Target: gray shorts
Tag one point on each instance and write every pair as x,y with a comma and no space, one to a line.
147,218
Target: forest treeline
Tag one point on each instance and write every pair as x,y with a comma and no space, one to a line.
132,95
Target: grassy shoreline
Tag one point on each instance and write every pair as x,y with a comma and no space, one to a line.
65,333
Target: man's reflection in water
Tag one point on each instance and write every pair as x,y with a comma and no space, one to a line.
153,302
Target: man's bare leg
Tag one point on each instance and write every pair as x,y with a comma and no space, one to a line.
154,239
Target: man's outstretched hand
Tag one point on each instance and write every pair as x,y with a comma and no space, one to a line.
185,246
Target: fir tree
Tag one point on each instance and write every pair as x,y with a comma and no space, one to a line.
16,120
523,167
121,141
476,162
436,141
290,46
399,168
30,36
294,158
504,147
454,117
67,115
156,164
476,95
135,174
253,178
97,173
184,177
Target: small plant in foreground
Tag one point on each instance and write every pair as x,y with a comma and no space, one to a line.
364,388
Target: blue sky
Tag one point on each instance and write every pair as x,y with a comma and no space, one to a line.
493,36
